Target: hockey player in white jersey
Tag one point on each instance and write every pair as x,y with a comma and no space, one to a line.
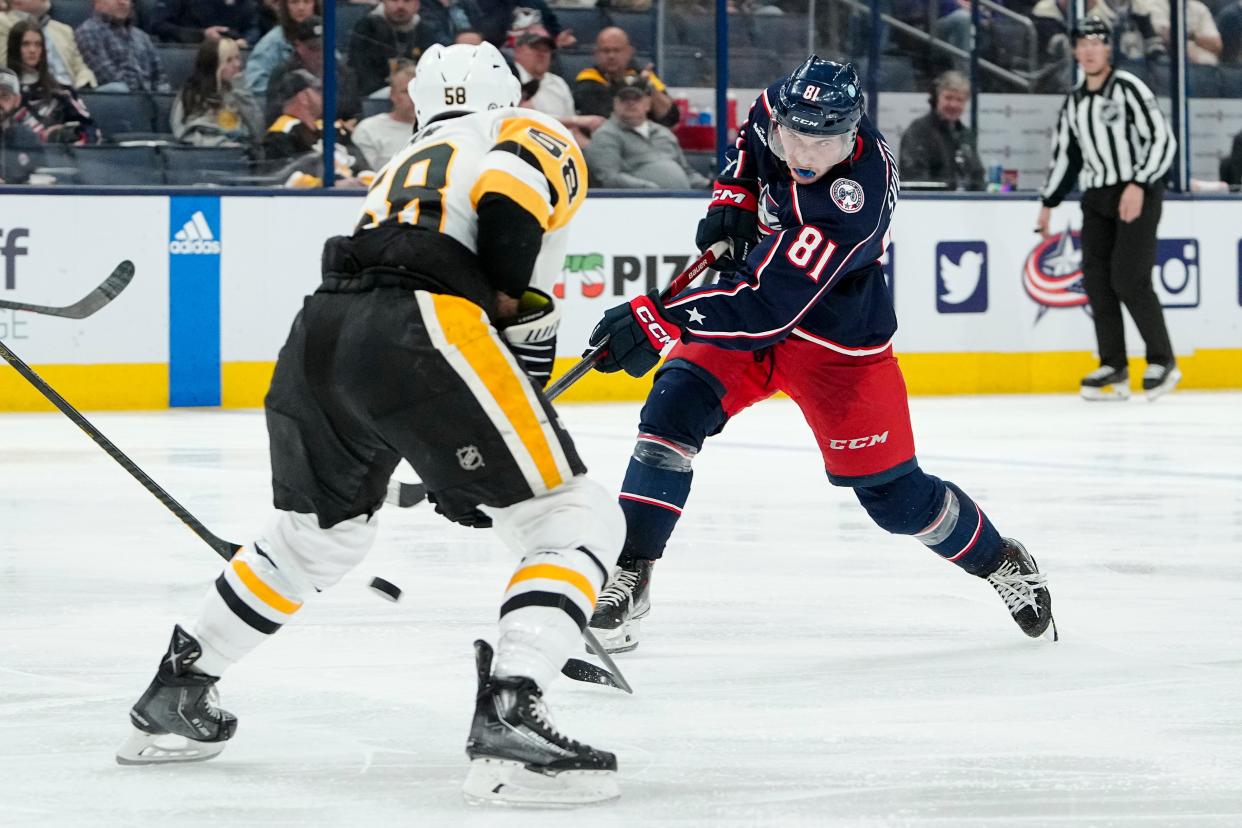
425,341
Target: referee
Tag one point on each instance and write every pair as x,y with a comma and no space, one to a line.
1112,133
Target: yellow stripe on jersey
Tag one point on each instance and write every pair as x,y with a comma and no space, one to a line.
507,184
560,159
464,329
262,591
552,572
283,124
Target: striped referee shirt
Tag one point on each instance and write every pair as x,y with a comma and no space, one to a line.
1115,135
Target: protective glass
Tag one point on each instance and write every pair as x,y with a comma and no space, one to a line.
816,153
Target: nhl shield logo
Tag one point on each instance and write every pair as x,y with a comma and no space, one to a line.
848,195
468,458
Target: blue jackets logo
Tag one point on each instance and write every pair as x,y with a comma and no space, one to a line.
962,277
1175,275
195,237
1052,275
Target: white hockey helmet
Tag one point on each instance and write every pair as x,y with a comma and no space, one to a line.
462,78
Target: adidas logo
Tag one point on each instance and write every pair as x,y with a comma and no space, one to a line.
195,237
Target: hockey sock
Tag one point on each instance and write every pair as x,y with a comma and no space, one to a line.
249,602
655,490
546,605
962,534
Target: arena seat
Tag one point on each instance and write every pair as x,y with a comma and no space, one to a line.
571,61
640,26
119,112
1231,81
347,17
586,23
687,66
133,166
203,165
374,106
161,105
177,63
71,12
1203,81
781,33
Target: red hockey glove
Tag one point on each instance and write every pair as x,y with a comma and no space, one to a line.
733,215
636,332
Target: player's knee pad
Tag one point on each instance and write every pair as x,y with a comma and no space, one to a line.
313,558
578,513
905,506
683,406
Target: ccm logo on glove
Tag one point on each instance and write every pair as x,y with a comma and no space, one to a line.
653,325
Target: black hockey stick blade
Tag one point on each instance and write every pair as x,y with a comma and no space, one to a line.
116,282
585,671
598,650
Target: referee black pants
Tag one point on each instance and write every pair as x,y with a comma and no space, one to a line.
1117,262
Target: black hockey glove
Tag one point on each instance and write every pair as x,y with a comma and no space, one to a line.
475,518
636,332
732,216
532,334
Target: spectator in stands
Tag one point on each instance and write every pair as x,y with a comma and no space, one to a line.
58,114
596,86
19,146
64,59
274,47
1203,40
193,21
120,54
631,151
212,111
307,54
500,20
938,146
296,131
382,136
1229,22
545,91
389,32
443,20
472,36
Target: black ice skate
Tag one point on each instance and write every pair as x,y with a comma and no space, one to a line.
177,719
518,757
1159,380
1105,383
1024,589
624,601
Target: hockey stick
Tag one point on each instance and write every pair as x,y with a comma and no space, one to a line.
222,547
574,668
88,304
406,495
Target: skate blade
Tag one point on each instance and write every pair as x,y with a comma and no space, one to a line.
508,783
1170,382
1109,393
142,748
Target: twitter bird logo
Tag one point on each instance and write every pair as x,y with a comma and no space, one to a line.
962,277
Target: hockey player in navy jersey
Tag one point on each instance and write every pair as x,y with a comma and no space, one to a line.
801,306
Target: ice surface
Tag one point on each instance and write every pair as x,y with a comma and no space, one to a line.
800,666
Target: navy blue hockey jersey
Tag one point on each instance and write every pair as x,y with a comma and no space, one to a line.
817,272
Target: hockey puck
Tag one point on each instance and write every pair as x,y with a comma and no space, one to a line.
386,589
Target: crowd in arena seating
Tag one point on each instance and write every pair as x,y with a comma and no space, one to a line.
246,75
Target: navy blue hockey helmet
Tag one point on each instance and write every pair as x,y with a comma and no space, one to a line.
1094,27
820,98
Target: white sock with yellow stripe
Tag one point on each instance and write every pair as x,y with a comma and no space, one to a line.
547,603
564,536
265,584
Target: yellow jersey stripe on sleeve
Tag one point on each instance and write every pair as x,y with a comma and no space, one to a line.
507,184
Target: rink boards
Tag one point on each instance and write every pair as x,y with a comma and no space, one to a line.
985,306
